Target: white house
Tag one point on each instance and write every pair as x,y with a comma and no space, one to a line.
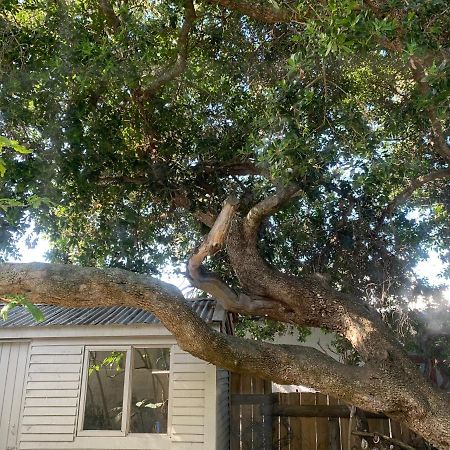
108,378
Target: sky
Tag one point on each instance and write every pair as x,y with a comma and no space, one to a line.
429,269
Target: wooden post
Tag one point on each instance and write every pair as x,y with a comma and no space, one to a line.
235,419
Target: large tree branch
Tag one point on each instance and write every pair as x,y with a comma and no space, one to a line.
404,195
367,387
74,286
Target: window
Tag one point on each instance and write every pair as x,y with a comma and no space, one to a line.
125,390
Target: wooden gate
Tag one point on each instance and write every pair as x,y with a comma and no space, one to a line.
262,420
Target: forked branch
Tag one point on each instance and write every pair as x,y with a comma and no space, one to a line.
267,207
213,284
174,70
404,195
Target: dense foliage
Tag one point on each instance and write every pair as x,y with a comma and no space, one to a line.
142,119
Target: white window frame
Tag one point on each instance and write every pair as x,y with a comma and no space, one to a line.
127,387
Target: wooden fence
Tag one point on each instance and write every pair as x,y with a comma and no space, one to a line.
262,420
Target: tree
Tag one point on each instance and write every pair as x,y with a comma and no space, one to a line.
307,140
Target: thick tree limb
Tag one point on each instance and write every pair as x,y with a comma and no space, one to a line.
366,387
409,190
73,286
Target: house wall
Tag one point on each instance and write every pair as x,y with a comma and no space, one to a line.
53,388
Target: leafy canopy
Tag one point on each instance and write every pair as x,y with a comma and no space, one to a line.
348,101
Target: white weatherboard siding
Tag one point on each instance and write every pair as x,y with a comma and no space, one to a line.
13,361
54,383
193,402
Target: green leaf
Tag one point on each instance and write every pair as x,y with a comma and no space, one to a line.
6,203
21,300
2,168
329,48
5,142
5,310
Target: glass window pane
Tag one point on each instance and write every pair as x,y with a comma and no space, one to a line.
150,390
104,395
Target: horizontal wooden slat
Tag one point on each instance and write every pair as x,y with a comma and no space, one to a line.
177,385
46,438
188,420
53,376
47,429
48,420
184,446
54,411
189,367
316,411
60,368
188,438
187,359
192,393
188,411
188,376
188,402
56,349
177,350
43,393
55,359
53,385
51,401
188,429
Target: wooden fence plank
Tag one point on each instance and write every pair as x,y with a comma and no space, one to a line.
257,417
296,424
308,424
276,424
235,420
246,415
396,430
285,425
344,426
334,430
322,425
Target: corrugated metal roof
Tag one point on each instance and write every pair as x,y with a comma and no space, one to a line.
118,315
